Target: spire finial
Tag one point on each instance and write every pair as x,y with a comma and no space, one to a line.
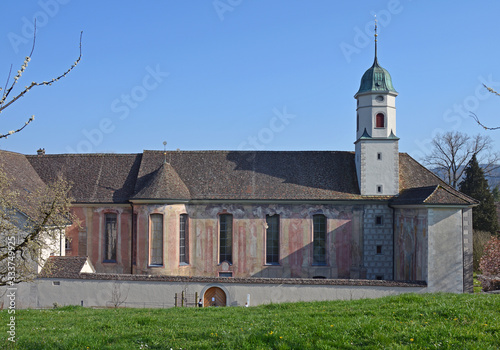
164,152
376,37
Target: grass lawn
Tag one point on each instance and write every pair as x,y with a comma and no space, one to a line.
448,321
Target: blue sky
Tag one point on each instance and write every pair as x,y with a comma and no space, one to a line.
241,74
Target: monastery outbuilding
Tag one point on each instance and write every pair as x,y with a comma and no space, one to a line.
220,218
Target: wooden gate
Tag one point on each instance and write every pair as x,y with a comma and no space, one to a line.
214,296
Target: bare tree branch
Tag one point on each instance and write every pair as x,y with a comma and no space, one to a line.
5,102
476,118
452,151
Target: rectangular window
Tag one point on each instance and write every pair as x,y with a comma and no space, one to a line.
379,188
156,240
110,235
183,240
319,240
226,238
379,220
379,156
67,243
379,250
273,239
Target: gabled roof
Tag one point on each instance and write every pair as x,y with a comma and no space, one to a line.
66,267
96,178
432,195
230,175
24,179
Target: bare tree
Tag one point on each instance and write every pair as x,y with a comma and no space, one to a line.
30,226
117,298
31,222
476,118
452,151
9,97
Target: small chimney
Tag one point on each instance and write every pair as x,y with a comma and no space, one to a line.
41,152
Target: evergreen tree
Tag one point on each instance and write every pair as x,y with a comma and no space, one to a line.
484,216
496,194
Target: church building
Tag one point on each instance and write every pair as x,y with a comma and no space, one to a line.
371,214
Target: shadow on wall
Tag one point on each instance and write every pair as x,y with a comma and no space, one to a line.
340,257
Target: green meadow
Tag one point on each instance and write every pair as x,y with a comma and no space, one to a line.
431,321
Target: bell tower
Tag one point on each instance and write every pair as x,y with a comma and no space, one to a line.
377,152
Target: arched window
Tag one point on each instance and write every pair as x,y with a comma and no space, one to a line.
273,239
319,239
110,237
183,239
226,238
380,120
156,240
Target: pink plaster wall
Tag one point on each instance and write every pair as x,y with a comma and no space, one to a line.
249,229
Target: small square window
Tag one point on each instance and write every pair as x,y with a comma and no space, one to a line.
379,188
379,250
379,220
379,156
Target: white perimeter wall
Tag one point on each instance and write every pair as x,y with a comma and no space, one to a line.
43,293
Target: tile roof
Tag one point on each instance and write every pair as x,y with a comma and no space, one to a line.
263,175
432,195
25,179
63,266
163,183
232,175
96,178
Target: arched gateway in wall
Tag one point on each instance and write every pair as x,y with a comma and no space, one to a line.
214,296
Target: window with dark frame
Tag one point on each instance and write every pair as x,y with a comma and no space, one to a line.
183,239
380,120
379,250
319,239
273,239
379,220
156,240
226,238
67,243
379,156
110,237
379,188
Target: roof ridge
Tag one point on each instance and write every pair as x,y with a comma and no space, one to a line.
423,167
80,155
245,151
432,193
457,193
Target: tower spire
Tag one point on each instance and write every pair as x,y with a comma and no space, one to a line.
376,39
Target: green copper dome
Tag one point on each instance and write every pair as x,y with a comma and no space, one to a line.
376,79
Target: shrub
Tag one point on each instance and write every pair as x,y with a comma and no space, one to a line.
480,238
490,261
